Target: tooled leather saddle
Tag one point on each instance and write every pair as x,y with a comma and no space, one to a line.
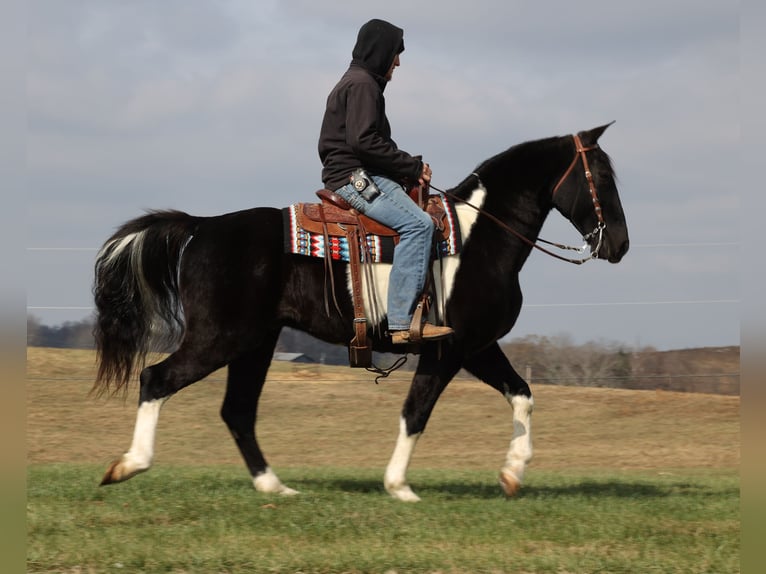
334,214
333,218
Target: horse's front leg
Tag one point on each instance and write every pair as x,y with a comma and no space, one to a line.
431,378
492,367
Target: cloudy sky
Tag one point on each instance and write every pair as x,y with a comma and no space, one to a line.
211,106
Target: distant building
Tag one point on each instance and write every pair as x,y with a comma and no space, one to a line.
293,358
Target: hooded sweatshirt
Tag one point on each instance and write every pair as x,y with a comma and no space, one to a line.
355,131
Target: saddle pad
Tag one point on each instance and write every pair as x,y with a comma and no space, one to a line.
380,249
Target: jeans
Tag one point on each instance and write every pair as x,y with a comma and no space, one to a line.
412,255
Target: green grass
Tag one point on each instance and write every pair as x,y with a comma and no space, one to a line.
209,519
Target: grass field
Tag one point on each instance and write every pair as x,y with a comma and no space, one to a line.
622,481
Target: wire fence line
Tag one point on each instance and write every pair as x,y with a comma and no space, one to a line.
691,245
709,383
62,248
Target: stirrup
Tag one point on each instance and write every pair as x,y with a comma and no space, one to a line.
416,326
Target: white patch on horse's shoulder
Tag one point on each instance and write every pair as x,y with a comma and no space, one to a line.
467,215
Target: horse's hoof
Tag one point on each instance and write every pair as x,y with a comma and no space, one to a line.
268,483
403,493
510,483
117,472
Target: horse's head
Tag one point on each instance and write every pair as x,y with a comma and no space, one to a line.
586,195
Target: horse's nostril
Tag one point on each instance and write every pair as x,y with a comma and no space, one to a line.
620,252
624,248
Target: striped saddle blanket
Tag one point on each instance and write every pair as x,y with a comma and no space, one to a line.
307,225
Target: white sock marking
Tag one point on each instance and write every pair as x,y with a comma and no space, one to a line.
520,449
269,482
141,452
395,479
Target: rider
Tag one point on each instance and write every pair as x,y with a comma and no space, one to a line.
363,165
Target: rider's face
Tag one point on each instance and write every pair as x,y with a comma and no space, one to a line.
394,64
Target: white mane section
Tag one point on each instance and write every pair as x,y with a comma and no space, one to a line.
375,290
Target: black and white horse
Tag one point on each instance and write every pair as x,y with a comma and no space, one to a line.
226,284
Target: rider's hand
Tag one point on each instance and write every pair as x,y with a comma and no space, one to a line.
425,176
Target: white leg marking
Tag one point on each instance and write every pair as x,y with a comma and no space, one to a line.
141,452
395,479
269,482
520,450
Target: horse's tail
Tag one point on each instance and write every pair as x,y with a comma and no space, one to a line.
136,293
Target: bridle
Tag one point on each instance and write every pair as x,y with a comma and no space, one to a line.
580,154
580,151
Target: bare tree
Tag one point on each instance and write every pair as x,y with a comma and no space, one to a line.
558,360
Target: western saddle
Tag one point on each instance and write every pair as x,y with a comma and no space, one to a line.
334,217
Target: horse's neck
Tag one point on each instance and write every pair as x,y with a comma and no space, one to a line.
519,185
520,207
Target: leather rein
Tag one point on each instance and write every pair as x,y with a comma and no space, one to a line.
580,150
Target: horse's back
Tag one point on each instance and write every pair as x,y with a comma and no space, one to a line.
232,267
232,238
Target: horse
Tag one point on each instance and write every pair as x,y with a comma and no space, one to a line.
226,285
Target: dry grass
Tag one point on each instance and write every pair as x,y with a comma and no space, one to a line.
337,416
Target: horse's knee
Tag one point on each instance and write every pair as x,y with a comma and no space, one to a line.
522,404
240,422
239,427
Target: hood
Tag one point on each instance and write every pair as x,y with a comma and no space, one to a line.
377,44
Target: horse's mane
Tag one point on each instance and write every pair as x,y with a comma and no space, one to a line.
520,158
519,154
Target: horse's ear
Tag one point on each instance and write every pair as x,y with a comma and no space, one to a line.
590,137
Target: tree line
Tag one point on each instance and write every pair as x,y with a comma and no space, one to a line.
540,360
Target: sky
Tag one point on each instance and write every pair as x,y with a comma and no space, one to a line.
215,105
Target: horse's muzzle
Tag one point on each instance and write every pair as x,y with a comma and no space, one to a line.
616,255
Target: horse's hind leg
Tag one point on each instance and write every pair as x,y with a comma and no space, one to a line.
492,367
158,383
247,375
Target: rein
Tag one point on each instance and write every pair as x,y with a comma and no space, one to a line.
598,230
